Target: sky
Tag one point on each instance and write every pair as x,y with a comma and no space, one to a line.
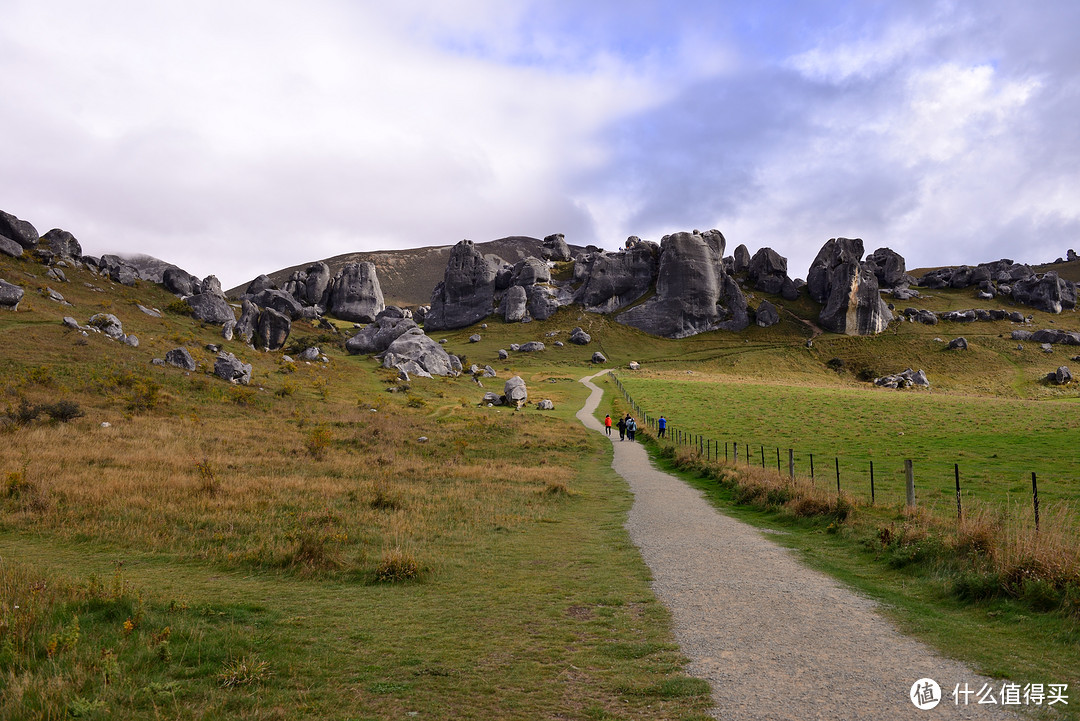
240,137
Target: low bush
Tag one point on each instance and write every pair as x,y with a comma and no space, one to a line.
396,566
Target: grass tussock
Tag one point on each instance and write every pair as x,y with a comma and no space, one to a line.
397,565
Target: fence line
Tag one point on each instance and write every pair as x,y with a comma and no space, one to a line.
679,436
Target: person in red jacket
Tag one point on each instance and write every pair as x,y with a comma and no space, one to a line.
607,423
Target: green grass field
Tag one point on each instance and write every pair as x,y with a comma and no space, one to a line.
293,549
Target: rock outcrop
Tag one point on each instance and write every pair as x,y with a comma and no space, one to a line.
888,267
210,308
555,248
768,273
418,355
1046,292
515,393
229,367
693,292
515,304
354,294
10,295
467,291
767,314
849,290
20,231
272,330
376,337
613,281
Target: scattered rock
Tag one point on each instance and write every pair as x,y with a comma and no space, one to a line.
355,293
310,354
377,337
229,367
958,344
905,379
532,346
545,405
152,312
10,295
599,357
634,365
467,292
503,355
580,337
19,231
474,338
108,324
555,248
272,329
415,346
181,358
1060,377
210,308
767,314
514,304
515,392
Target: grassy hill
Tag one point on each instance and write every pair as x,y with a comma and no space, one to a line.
314,546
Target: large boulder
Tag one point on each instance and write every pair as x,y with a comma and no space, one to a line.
888,266
21,231
414,345
467,291
767,314
108,324
835,252
317,284
544,300
280,301
1061,376
10,295
515,392
693,292
259,284
179,282
612,281
1046,292
555,248
768,273
376,337
530,271
354,294
741,259
118,269
854,305
229,367
181,358
515,304
272,330
10,247
578,336
61,244
249,319
210,308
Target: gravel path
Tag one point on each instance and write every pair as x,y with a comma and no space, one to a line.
774,639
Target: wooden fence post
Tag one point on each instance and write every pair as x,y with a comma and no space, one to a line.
959,509
1035,498
791,463
838,475
910,472
871,483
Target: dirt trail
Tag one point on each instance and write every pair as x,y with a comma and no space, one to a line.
774,639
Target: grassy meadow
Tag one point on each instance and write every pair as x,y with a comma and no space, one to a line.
314,546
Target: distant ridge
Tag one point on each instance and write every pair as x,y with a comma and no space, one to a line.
408,276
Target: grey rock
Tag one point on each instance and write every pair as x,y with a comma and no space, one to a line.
543,301
355,294
249,318
492,399
1060,337
55,296
259,284
599,357
157,362
414,345
1047,348
1061,376
514,304
634,365
888,266
210,284
62,244
741,259
530,271
515,347
835,253
108,324
280,301
229,367
181,358
693,292
227,329
580,337
210,307
555,248
530,347
905,293
179,282
854,305
10,247
905,379
310,354
515,392
767,314
20,231
545,405
559,344
272,329
768,272
467,293
10,295
958,344
317,286
474,338
1046,292
132,340
56,274
152,312
377,337
503,355
612,281
118,269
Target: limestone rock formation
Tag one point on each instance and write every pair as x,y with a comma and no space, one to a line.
693,292
515,304
467,292
249,318
767,314
60,244
10,247
515,392
1046,292
613,281
579,337
354,294
210,307
229,367
530,271
741,258
848,289
10,295
259,284
888,266
181,358
179,282
555,248
280,301
272,329
416,347
377,337
768,273
20,231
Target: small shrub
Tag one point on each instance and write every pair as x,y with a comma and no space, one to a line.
23,414
383,501
208,483
287,389
145,395
17,484
837,364
63,411
317,441
396,566
243,396
41,375
244,672
288,367
179,307
416,402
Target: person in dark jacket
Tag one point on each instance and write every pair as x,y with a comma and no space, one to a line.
622,428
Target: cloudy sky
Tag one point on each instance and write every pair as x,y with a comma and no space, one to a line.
240,137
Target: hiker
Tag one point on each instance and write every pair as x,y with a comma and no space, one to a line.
631,426
661,427
607,423
622,428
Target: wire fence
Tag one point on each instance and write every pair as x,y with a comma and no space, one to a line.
820,470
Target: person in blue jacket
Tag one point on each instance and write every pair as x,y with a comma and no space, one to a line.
661,427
